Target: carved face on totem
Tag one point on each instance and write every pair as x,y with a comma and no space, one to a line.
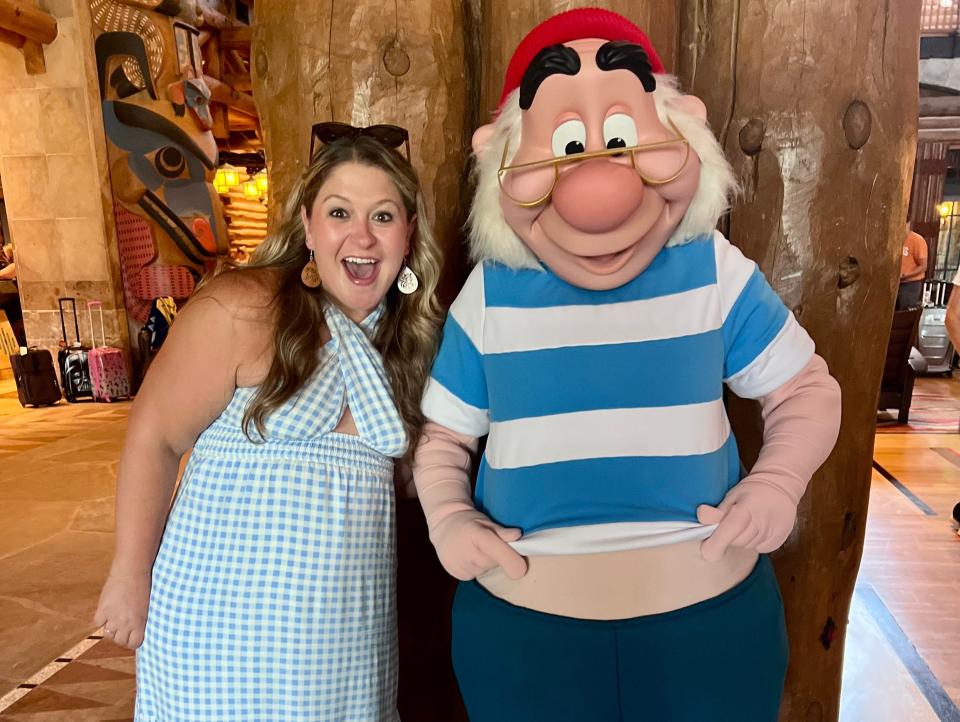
163,155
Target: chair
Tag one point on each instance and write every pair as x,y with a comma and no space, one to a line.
899,371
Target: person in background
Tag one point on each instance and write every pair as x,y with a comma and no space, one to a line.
10,300
953,313
952,322
913,269
8,267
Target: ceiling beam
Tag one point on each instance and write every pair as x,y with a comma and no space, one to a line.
31,23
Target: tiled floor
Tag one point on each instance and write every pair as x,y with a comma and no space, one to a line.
57,471
94,681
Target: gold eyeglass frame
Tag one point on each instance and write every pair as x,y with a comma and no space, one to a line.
577,157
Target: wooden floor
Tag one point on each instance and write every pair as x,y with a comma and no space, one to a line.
902,661
911,554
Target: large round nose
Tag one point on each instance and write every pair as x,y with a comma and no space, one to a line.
598,195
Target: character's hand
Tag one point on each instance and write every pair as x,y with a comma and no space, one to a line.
753,515
122,610
469,544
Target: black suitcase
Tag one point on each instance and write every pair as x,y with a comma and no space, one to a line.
36,377
73,361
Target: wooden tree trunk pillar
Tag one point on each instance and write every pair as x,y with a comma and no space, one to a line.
368,63
363,64
816,107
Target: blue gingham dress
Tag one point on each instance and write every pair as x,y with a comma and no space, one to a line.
273,588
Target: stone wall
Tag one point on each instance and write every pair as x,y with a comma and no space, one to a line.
55,176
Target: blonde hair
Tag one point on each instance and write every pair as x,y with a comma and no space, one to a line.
491,238
408,332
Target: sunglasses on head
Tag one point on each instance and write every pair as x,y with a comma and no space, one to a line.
392,136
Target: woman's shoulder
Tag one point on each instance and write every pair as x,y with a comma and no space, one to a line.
246,295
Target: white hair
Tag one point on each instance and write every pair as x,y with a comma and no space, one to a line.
491,238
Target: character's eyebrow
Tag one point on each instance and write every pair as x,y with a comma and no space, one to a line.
623,55
552,60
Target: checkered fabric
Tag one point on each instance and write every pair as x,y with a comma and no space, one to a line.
273,589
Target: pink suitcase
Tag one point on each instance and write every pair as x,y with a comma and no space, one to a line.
108,369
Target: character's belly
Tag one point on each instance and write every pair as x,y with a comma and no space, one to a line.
622,584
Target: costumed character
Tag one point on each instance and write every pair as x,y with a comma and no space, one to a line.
613,556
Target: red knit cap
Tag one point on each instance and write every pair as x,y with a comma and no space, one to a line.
578,24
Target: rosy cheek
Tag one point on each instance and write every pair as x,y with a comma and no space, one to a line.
684,188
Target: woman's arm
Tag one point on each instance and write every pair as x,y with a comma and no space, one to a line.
189,384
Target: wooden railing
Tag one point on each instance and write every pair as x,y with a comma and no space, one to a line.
938,18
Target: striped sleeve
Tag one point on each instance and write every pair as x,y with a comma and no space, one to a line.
764,345
456,393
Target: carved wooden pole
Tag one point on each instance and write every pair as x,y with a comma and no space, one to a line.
816,107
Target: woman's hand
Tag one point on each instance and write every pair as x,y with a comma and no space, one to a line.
122,611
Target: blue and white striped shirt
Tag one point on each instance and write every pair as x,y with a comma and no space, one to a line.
604,408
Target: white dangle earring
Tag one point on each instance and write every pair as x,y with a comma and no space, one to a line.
407,281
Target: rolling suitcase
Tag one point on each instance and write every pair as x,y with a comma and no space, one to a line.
73,359
36,378
108,369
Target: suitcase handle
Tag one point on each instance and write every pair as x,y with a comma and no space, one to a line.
93,339
76,320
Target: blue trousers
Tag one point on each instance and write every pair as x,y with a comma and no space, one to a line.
721,660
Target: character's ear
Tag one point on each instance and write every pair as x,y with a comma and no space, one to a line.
306,226
481,139
690,104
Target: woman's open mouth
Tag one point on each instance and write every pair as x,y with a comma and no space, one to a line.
361,271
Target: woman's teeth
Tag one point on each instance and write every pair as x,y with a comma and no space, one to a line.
360,268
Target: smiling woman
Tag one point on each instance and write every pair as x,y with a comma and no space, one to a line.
296,380
358,230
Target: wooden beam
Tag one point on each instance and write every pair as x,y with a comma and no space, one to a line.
33,24
240,143
941,135
203,37
239,81
213,69
236,37
33,58
220,92
944,105
10,38
214,19
946,121
239,63
239,202
241,121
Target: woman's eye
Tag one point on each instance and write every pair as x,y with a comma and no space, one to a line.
338,213
383,217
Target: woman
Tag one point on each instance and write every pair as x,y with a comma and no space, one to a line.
272,594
